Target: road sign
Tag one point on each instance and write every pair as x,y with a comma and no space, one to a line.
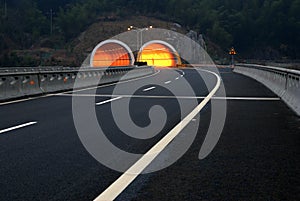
232,51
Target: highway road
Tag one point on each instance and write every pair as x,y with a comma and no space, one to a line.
256,157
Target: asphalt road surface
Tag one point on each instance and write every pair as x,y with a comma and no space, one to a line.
256,157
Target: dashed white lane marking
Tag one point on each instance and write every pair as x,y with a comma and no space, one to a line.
116,188
168,82
17,127
148,89
177,78
108,101
120,82
181,75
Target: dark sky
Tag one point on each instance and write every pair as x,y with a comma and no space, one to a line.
44,5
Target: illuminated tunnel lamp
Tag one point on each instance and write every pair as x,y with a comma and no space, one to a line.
111,53
159,53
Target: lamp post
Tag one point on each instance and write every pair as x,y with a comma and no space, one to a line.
139,31
51,21
51,15
5,9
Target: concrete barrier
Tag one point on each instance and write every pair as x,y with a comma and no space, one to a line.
20,82
12,85
283,82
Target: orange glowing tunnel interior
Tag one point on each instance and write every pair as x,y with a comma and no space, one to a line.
156,54
111,54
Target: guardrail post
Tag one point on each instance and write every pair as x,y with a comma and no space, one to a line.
286,80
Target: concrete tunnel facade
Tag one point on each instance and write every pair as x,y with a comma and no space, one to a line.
117,53
111,53
159,53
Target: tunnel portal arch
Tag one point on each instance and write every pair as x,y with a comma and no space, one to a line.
111,53
159,53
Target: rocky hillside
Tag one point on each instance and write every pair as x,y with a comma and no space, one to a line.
50,51
50,32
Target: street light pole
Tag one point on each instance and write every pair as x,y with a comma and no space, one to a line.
5,8
51,21
139,31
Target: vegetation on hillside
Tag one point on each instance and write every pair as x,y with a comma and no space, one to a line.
265,29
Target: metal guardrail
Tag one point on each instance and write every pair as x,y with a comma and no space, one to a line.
20,82
283,82
4,70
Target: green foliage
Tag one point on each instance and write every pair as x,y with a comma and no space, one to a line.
248,25
23,24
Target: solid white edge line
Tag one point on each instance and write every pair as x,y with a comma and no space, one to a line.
17,127
247,98
27,99
108,101
148,89
116,188
177,97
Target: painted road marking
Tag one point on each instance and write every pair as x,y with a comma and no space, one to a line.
177,97
115,189
17,127
26,99
121,82
108,101
168,82
248,98
177,78
148,89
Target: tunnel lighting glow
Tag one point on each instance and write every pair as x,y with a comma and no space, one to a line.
156,54
111,54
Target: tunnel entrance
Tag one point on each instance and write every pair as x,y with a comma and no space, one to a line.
111,53
159,53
